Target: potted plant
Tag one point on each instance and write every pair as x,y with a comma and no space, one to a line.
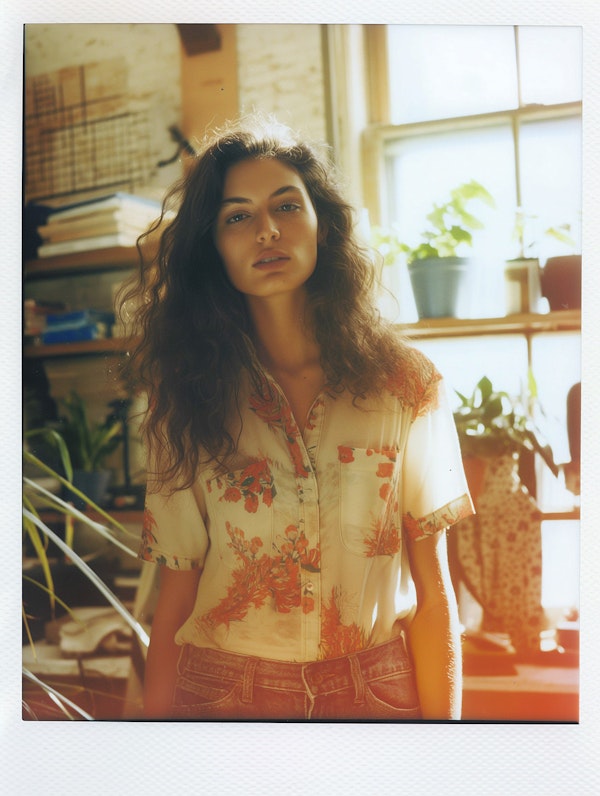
47,576
437,269
561,274
526,282
83,446
497,553
522,272
491,425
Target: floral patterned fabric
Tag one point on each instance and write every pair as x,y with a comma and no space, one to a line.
301,541
498,555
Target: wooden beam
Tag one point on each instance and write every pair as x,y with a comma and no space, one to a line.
198,39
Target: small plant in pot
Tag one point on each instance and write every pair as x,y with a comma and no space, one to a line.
437,269
491,425
526,281
83,446
561,274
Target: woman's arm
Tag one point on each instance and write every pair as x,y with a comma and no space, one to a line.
434,634
175,603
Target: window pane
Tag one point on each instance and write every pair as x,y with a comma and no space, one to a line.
551,182
550,64
560,566
464,361
444,71
422,170
556,365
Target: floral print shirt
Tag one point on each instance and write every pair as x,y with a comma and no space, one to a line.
301,543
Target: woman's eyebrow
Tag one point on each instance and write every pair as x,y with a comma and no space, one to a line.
230,200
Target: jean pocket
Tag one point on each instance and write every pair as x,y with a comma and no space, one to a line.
203,696
394,697
369,523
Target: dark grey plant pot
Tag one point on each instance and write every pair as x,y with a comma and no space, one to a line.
94,485
440,286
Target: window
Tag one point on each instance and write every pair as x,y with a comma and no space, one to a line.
490,103
501,105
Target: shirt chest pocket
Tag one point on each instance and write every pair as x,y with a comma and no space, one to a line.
241,504
369,511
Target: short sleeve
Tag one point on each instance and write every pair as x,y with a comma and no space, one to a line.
435,494
174,532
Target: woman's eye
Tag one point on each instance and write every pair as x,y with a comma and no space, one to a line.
289,207
236,218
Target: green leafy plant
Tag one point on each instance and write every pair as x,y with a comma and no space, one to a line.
36,499
492,423
527,235
80,443
449,230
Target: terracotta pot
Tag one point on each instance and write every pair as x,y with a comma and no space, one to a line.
561,282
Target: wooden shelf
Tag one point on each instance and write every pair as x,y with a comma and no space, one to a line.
117,257
124,516
563,321
109,345
572,514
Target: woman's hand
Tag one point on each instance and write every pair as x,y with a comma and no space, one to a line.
176,600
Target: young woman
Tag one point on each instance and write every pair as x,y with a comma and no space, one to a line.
303,461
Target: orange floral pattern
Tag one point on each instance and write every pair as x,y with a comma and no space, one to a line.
316,408
271,407
148,546
338,638
252,484
301,544
261,576
385,538
415,383
438,520
148,537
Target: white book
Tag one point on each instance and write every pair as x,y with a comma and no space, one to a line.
116,201
86,244
92,231
135,217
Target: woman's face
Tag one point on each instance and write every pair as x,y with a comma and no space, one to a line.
266,230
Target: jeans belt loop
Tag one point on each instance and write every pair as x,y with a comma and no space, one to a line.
248,682
357,678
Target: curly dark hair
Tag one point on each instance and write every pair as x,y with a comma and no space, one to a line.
196,334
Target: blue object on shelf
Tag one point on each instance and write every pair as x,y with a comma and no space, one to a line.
78,319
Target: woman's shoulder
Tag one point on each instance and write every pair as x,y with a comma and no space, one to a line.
414,380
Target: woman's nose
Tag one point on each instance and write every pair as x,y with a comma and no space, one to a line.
267,228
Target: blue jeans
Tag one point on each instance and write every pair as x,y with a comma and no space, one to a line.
376,683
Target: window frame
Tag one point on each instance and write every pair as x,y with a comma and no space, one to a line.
379,131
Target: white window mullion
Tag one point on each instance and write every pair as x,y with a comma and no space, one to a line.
348,99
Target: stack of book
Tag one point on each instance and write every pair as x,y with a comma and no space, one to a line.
35,313
114,220
71,327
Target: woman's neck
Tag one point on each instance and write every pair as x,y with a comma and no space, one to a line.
284,340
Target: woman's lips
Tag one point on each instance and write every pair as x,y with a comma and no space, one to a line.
270,260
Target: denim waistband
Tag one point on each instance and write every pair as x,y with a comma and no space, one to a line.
321,677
